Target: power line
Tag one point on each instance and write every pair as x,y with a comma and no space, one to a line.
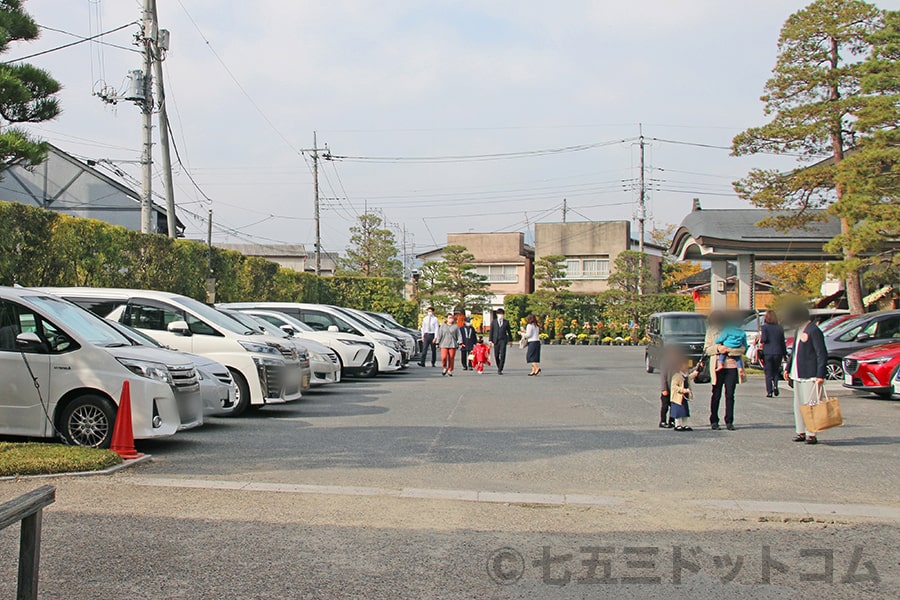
90,38
69,45
478,157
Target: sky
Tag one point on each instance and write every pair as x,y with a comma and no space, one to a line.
566,88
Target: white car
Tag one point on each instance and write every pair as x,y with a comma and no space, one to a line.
355,356
264,370
895,385
406,339
323,361
321,317
216,385
62,370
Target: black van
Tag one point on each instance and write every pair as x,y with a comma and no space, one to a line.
684,329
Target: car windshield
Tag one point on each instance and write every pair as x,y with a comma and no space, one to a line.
684,325
135,335
283,319
268,328
212,315
247,321
87,325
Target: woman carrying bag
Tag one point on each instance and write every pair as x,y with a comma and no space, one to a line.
532,339
806,369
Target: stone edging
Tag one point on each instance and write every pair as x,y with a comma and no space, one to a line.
108,471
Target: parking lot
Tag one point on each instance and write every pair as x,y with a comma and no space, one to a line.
416,485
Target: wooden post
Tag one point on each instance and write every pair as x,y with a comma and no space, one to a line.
28,508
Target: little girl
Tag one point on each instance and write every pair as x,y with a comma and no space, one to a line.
680,394
480,355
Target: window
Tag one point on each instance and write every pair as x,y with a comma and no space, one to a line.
587,268
498,273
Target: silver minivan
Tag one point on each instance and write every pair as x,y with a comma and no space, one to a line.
62,370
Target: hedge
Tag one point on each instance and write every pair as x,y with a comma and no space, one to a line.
39,247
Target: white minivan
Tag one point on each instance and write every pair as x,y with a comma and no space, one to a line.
265,371
321,317
62,370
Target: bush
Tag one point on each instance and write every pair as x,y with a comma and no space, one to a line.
41,459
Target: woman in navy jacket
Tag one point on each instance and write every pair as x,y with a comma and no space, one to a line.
774,350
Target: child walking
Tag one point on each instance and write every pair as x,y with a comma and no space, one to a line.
680,395
480,355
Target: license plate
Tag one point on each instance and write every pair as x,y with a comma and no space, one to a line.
691,363
848,378
305,383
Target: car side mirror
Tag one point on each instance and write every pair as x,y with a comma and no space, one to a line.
288,330
29,341
863,337
179,328
333,328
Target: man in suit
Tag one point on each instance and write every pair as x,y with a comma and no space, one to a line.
467,337
501,334
430,328
806,368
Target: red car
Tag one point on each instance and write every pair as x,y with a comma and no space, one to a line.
870,369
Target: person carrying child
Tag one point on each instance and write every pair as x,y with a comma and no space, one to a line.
735,341
480,355
680,394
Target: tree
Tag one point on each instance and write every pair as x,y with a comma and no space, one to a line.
372,251
673,270
795,279
27,94
550,273
813,96
457,279
631,274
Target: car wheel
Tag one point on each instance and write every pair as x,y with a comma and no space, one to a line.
88,421
647,364
341,365
834,371
241,393
371,371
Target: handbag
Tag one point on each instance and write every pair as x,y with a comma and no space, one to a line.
523,343
821,413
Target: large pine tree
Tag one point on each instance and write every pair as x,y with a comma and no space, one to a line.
814,97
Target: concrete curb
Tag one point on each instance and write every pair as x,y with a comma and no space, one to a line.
109,471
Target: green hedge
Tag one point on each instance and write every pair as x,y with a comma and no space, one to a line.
43,248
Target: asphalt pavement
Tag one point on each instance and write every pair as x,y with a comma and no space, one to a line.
416,485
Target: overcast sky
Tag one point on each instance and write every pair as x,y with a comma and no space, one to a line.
410,79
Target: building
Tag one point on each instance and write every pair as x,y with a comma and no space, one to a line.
698,286
503,258
591,249
289,256
65,184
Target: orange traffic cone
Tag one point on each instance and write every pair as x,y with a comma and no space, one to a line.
123,432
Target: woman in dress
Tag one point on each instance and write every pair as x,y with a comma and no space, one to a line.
532,336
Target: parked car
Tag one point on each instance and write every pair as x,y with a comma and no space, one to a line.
685,330
391,323
407,340
354,356
264,370
255,328
870,370
872,329
321,317
62,370
216,385
323,362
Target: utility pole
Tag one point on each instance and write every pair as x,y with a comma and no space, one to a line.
210,280
159,43
147,120
642,213
314,152
565,209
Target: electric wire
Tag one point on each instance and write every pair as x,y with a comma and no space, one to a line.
69,45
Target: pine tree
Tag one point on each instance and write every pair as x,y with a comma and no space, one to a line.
459,281
27,94
813,97
372,251
550,273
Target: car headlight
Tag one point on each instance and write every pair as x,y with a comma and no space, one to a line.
317,357
150,370
259,348
875,361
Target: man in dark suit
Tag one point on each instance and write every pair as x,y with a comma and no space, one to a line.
467,336
806,368
501,334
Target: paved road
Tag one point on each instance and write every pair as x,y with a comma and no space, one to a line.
408,486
